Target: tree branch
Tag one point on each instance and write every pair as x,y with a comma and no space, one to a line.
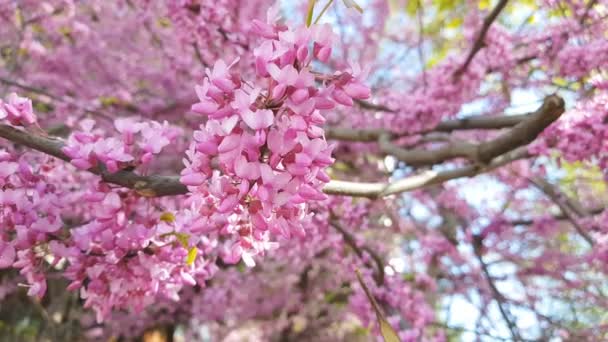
570,209
559,217
588,9
419,181
350,240
145,185
372,106
521,134
64,99
498,297
156,186
480,41
477,122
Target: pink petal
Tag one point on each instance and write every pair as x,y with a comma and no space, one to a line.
260,119
357,90
342,97
229,143
205,107
246,170
192,179
275,141
7,257
300,95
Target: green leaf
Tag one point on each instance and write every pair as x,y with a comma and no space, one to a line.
311,10
412,7
387,331
163,22
192,252
446,5
107,101
182,238
18,17
361,331
454,23
167,217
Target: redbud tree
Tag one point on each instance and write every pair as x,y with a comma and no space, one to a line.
398,170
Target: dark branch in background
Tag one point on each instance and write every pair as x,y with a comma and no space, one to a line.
561,216
373,106
478,122
570,209
587,11
480,41
448,230
352,242
64,99
498,297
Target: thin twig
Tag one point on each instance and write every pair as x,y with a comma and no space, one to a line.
498,297
480,41
571,210
352,242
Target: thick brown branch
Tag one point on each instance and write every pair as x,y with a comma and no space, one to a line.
145,185
524,132
170,185
521,134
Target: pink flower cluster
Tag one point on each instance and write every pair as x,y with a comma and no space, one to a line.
580,134
260,157
121,258
29,216
17,110
139,142
28,203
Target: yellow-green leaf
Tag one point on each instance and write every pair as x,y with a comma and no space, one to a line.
107,101
446,5
182,238
310,12
388,333
18,18
191,256
163,22
412,7
454,23
167,217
